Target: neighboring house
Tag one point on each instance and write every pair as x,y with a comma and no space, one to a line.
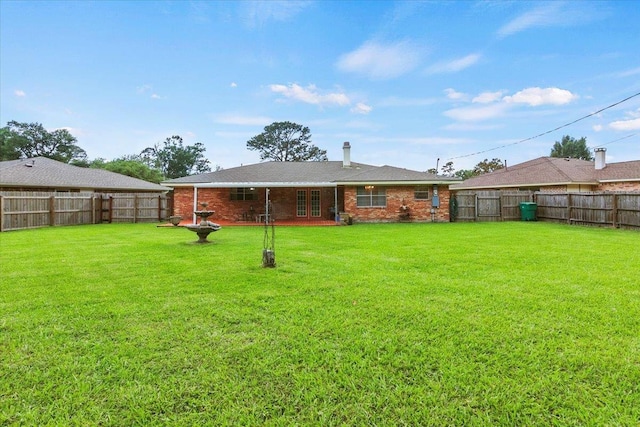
553,174
303,191
44,174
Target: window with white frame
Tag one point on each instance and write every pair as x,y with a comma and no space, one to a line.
421,193
369,196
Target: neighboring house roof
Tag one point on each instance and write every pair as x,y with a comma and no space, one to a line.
298,174
42,172
549,171
618,172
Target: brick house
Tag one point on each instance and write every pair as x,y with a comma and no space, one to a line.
559,175
308,191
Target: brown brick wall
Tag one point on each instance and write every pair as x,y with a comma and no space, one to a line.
420,210
283,202
619,186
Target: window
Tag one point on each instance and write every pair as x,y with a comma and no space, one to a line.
370,196
243,194
315,203
421,193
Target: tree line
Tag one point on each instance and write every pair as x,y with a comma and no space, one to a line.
166,160
280,141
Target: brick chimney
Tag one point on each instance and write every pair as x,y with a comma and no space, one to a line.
346,158
601,161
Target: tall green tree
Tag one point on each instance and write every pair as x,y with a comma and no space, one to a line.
174,159
487,166
131,166
464,173
33,140
447,169
286,142
571,148
8,148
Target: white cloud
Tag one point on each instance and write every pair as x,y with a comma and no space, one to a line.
541,16
472,114
155,96
454,65
629,73
535,96
19,93
633,124
597,128
361,108
310,95
552,14
394,101
487,97
468,127
433,141
73,131
243,120
258,13
233,84
381,61
144,88
453,94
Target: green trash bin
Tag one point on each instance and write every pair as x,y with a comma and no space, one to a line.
528,211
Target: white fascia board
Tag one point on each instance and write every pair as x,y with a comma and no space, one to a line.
360,183
533,184
262,184
620,180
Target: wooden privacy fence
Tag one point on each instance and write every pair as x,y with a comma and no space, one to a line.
27,209
612,209
490,205
607,209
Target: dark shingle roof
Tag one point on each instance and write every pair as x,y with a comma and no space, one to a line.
553,171
621,171
307,172
42,172
390,174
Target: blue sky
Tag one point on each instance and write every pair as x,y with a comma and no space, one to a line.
405,82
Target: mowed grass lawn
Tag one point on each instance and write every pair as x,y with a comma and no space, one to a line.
390,324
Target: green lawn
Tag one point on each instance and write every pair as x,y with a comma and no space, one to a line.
393,324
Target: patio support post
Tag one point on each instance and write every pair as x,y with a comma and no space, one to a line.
195,202
335,204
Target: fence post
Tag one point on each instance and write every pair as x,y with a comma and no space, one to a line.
614,211
135,208
568,208
110,209
159,208
1,214
52,210
93,208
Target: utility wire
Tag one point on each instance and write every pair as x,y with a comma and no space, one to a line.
615,140
547,132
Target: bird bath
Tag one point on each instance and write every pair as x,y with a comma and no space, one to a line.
204,228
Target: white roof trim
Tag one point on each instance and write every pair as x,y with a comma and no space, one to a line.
542,184
301,184
390,183
261,184
620,180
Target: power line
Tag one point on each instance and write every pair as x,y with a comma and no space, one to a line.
615,140
549,131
